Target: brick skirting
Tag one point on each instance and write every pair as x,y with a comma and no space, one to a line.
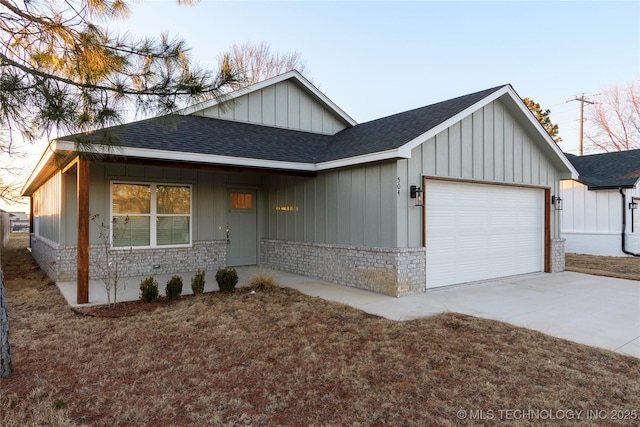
60,262
557,255
392,271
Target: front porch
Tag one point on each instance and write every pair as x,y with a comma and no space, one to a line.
131,289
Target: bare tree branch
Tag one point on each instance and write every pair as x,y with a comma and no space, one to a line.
614,122
254,63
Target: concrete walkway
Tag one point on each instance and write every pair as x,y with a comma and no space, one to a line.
593,310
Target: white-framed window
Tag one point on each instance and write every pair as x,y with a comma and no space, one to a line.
147,215
36,213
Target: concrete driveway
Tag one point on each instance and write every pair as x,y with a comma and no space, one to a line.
593,310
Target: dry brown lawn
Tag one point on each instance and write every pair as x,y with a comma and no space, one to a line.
622,267
283,358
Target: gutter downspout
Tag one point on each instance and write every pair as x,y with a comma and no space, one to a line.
624,223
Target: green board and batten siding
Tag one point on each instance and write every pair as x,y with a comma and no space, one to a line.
284,105
359,205
47,205
354,206
489,145
351,206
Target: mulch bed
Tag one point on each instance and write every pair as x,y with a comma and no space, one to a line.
133,308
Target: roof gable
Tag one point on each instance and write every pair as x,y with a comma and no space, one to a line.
395,131
287,101
395,136
619,169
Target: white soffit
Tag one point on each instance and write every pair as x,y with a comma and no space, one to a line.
45,162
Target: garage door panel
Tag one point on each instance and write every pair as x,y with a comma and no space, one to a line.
478,231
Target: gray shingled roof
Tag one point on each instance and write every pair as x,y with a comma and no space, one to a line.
620,169
394,131
201,135
210,136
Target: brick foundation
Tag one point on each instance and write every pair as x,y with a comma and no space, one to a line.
557,255
391,271
45,254
59,262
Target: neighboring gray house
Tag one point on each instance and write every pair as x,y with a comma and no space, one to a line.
601,214
282,177
19,222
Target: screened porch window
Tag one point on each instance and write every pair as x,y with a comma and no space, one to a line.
150,215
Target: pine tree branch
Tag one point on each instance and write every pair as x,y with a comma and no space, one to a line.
6,61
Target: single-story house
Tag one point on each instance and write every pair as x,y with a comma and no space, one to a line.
19,222
278,175
601,215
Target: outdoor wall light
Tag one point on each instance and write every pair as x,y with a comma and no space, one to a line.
416,193
557,202
633,205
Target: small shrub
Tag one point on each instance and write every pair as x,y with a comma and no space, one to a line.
197,283
263,282
58,404
227,279
148,290
174,287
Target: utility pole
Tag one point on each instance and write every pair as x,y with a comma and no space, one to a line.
583,101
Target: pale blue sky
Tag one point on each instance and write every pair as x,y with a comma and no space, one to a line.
379,58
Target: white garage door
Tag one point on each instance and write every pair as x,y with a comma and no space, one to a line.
479,231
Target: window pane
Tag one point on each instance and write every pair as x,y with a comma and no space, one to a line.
173,200
240,201
172,230
131,199
131,231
